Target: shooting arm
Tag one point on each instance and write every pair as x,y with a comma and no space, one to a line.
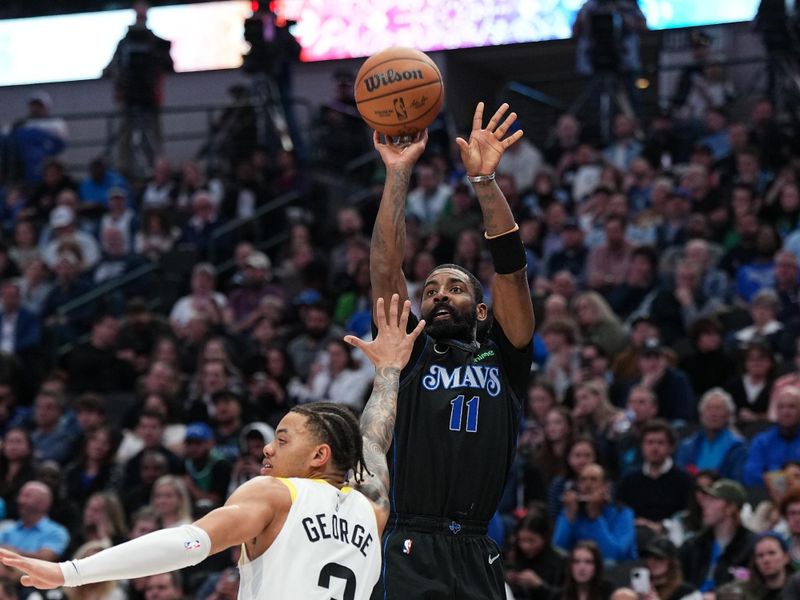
377,429
511,295
389,236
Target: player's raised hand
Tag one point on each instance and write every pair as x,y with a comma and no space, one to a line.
402,154
482,152
36,573
392,346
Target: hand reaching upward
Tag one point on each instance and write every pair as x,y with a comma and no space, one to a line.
392,347
486,146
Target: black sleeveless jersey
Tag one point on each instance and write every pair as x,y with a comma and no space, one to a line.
457,421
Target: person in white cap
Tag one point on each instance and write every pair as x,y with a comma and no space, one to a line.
65,232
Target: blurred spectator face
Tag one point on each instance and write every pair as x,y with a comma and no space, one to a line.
104,332
623,127
747,165
714,414
149,430
468,246
615,233
24,235
709,340
642,331
737,134
555,341
586,402
88,420
656,448
197,449
786,269
762,313
539,402
215,350
214,378
11,299
16,446
166,499
564,284
349,222
642,404
686,276
427,179
276,363
790,198
202,283
143,526
582,566
316,321
767,242
763,112
67,268
162,171
572,238
585,312
556,427
46,412
555,307
581,455
530,543
95,511
652,363
33,500
788,409
567,130
585,155
338,357
640,271
769,557
593,363
793,518
697,252
98,445
715,510
159,378
758,363
264,332
228,409
715,121
243,250
162,587
203,207
617,205
68,198
152,466
555,215
591,479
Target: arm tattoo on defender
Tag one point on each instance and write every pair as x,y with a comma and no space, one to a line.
377,428
488,195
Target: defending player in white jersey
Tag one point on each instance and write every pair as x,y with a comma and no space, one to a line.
305,532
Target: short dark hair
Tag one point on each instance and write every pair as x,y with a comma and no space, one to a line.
537,520
337,426
659,426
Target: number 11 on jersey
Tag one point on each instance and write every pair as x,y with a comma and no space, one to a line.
457,413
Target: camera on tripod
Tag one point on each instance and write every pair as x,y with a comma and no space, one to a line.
267,47
605,34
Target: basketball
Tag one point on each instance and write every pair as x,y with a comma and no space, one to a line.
399,91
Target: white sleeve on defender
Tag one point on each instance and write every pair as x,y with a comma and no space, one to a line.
158,552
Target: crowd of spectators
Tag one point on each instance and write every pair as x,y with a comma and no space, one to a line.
662,423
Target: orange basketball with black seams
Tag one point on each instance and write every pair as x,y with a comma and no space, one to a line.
399,91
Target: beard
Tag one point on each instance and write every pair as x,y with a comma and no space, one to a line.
460,326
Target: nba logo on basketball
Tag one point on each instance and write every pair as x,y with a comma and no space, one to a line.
400,109
407,546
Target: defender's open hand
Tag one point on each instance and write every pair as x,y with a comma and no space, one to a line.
392,346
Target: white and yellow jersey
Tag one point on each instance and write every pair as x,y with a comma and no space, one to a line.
329,547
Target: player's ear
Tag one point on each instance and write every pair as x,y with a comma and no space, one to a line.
322,456
482,311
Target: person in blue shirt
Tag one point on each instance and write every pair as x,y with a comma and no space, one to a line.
588,514
35,534
779,444
717,446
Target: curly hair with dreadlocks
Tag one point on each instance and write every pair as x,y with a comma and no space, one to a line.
337,426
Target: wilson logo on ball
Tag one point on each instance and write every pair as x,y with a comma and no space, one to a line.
374,82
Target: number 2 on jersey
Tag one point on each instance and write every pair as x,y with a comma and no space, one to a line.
338,571
457,413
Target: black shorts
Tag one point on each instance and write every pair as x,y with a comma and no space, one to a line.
431,559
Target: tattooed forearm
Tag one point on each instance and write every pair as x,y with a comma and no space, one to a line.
377,428
389,233
497,216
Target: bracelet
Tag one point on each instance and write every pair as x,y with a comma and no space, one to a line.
479,178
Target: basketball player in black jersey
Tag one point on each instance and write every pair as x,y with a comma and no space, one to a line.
460,393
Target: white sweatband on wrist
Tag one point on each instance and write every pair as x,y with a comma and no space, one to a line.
158,552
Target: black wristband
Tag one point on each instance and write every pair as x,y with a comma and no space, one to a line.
507,252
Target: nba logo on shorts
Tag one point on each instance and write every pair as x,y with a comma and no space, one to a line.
407,546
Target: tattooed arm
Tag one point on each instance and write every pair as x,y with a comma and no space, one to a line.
389,352
387,247
512,306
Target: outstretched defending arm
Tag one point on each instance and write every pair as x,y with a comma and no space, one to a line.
511,295
389,234
389,352
245,515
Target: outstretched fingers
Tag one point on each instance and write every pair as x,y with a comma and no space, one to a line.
512,139
417,330
393,310
497,116
403,325
477,118
355,342
380,314
501,131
